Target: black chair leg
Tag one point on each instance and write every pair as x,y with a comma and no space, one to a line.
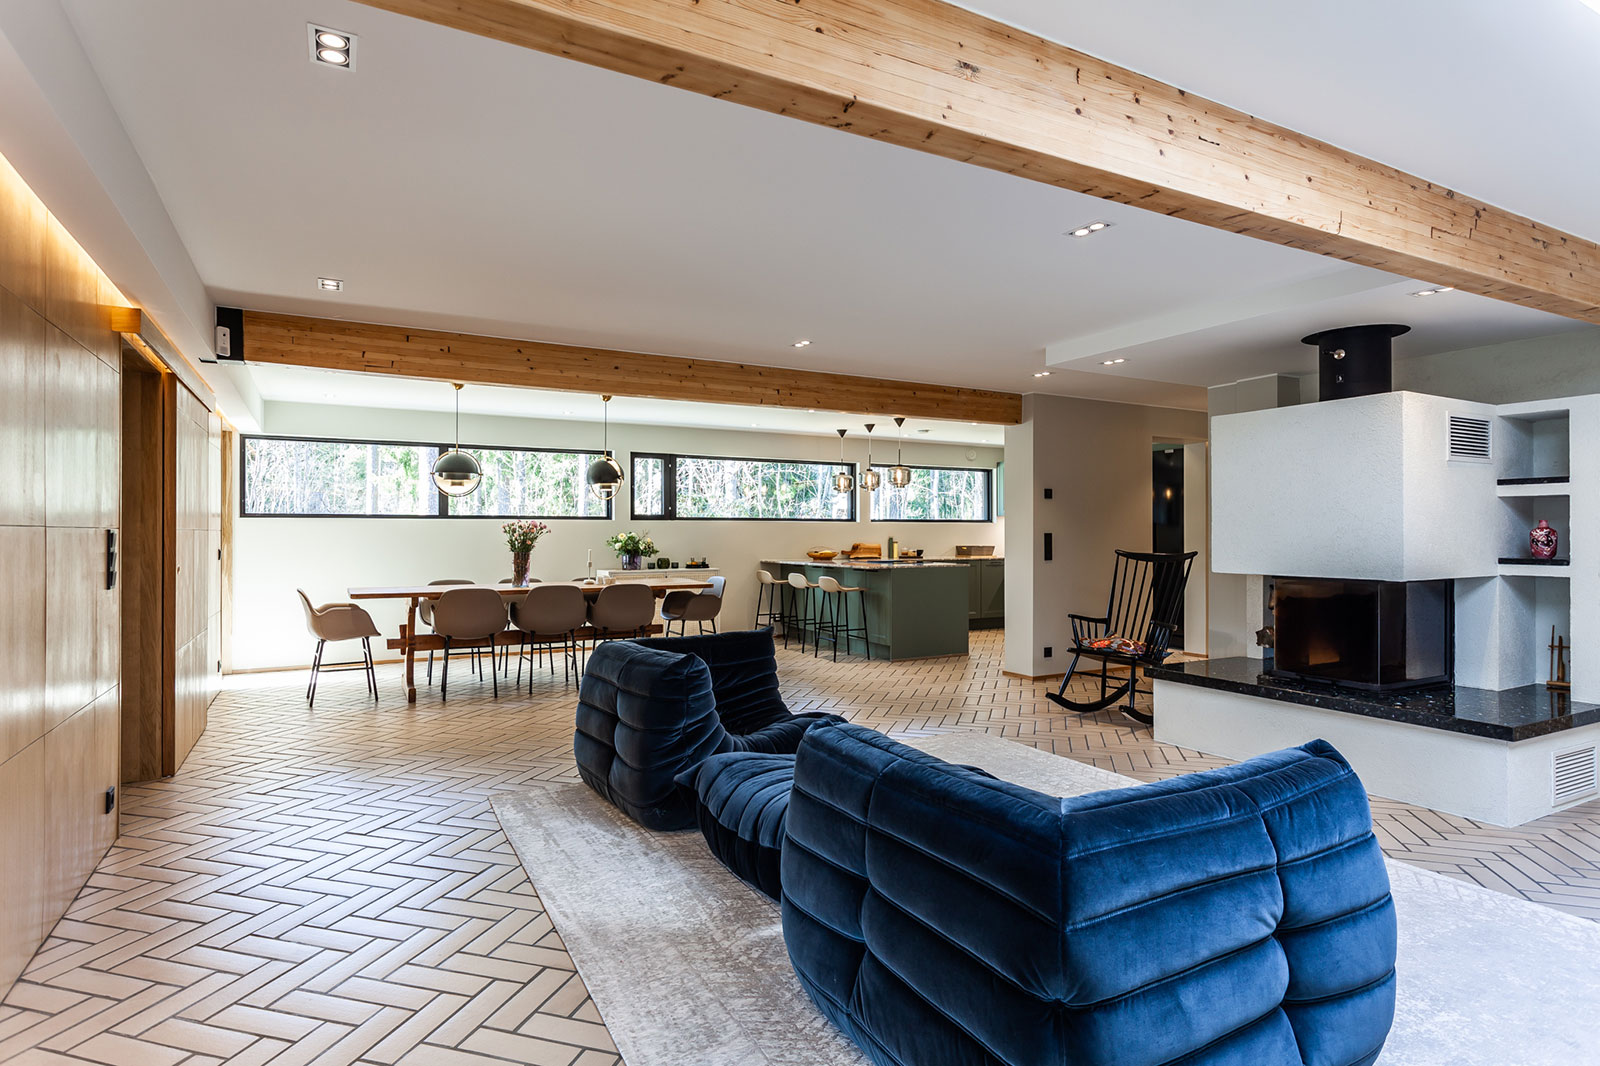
866,628
494,675
372,668
444,674
316,667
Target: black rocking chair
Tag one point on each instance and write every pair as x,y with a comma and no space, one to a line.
1136,630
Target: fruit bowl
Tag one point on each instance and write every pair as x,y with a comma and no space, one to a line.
821,554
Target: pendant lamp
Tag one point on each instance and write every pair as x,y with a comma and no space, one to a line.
842,481
455,472
870,478
899,473
605,473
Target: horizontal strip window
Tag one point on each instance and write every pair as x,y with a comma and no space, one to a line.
308,477
937,494
708,487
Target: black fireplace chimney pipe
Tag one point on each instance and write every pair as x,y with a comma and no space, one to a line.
1354,360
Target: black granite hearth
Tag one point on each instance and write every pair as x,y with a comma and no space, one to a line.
1511,714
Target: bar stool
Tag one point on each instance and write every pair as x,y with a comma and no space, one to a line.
829,626
798,610
767,585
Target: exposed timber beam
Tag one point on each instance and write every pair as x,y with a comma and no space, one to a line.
927,75
331,344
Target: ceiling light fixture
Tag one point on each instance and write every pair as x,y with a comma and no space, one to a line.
330,284
1042,374
842,481
605,473
1435,292
456,473
900,473
1111,362
801,344
332,48
1088,228
870,478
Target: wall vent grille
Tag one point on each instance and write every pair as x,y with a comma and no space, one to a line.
1470,439
1575,775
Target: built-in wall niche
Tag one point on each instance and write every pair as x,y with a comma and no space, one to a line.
1532,448
1538,605
1520,514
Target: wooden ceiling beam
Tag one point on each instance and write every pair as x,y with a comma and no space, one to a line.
293,340
926,75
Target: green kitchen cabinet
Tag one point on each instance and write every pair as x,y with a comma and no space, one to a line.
992,586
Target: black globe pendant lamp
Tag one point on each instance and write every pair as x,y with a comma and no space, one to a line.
455,473
605,473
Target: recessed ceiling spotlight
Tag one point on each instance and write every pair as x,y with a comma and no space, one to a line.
1435,292
330,284
1088,228
801,344
1042,374
333,48
1111,362
1119,360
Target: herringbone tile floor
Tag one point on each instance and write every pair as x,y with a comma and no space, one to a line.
330,886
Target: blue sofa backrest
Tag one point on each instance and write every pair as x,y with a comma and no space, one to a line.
1235,916
644,716
744,675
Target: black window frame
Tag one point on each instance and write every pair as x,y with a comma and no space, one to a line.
669,488
988,495
443,508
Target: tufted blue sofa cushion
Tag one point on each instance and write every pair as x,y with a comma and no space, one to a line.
646,715
741,800
744,675
1234,917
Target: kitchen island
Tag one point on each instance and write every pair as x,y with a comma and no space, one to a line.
915,609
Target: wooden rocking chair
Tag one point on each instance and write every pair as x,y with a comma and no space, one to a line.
1136,630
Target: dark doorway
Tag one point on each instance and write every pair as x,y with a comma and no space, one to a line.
1166,509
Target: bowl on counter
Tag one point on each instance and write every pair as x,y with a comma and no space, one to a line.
821,554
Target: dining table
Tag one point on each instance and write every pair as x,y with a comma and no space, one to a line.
410,641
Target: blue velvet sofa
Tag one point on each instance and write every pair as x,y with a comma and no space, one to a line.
650,710
1234,917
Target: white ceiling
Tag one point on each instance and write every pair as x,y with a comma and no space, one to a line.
293,384
459,183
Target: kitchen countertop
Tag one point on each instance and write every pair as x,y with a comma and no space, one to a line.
1510,714
841,563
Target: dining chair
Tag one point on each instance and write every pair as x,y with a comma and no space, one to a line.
425,615
505,656
690,605
339,621
623,611
473,618
544,616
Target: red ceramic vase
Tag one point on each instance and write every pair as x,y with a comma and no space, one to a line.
1542,541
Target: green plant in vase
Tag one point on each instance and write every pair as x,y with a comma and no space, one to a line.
521,536
632,548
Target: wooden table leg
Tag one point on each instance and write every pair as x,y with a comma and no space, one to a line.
408,635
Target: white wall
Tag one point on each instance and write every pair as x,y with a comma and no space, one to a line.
327,556
1563,364
1095,458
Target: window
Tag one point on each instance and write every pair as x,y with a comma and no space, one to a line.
522,483
936,494
701,486
298,476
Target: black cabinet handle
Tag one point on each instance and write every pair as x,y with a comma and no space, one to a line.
111,559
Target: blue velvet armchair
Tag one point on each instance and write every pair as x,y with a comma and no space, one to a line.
1235,917
650,710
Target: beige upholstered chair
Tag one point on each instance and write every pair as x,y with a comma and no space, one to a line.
425,614
699,606
469,617
548,615
833,616
767,590
339,621
622,611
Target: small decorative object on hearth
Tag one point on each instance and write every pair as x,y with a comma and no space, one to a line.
632,548
663,563
1558,662
521,536
1542,541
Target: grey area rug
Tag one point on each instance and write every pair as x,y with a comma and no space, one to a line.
687,966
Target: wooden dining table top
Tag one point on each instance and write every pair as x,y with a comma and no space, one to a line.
658,585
